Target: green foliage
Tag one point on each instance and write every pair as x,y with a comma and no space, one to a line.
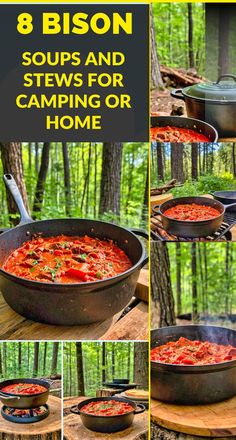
171,25
92,365
215,281
205,185
10,363
133,181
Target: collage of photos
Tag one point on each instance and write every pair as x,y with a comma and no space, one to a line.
193,221
117,259
74,250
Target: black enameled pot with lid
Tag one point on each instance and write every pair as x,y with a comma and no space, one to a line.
213,102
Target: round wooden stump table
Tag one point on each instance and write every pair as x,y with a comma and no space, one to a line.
47,429
182,422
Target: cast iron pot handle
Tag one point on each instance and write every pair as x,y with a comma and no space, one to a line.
50,381
4,397
229,206
156,210
227,75
145,235
74,409
177,93
141,408
14,190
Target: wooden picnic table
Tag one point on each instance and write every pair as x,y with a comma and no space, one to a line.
75,430
133,325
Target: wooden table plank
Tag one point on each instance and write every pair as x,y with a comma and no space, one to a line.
15,327
75,430
134,325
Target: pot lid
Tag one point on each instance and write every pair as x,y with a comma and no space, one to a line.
224,89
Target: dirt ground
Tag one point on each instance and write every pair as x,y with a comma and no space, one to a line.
163,104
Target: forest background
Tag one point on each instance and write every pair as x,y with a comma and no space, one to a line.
102,181
88,365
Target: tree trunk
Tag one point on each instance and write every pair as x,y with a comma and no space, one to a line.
45,357
190,36
80,374
160,165
4,355
1,363
177,162
54,357
111,179
194,283
194,160
227,277
141,364
161,289
145,197
113,361
11,154
178,278
234,160
223,42
40,186
66,164
19,355
156,79
103,362
36,359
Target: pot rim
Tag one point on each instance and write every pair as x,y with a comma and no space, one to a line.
192,222
84,284
207,368
24,380
185,119
130,402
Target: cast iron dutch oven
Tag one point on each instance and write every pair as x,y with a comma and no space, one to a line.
69,304
108,423
190,123
214,103
192,229
22,401
193,385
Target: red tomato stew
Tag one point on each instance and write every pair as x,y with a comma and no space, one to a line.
175,134
65,259
186,352
107,408
192,212
24,388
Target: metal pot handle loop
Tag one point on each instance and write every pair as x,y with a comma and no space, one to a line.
156,210
74,409
177,93
141,408
5,397
145,235
227,75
